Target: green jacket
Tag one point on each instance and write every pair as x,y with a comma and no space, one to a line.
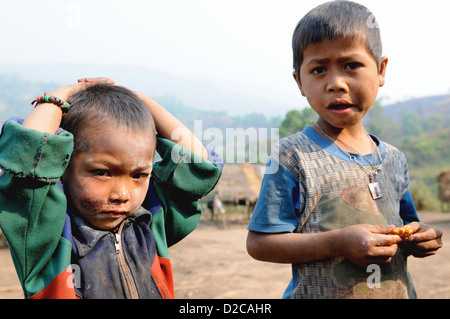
39,231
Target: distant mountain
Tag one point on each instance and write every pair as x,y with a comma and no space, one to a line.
202,96
424,107
20,84
17,93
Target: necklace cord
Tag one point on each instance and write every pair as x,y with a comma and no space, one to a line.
375,168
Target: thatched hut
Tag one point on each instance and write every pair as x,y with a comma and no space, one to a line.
444,186
240,184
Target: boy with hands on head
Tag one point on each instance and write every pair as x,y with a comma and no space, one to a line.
116,212
339,192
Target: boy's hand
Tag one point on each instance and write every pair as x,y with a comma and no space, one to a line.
67,91
424,242
368,244
45,117
100,79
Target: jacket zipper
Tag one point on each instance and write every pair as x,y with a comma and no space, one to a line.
130,286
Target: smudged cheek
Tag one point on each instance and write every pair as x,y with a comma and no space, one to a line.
88,206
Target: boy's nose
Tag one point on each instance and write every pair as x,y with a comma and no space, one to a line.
336,83
119,193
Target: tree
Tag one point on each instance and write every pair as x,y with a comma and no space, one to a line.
381,125
412,124
295,121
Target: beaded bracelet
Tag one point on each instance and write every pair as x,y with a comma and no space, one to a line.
52,99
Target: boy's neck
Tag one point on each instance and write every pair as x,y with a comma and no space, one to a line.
353,139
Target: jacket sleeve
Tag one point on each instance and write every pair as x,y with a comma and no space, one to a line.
33,208
180,179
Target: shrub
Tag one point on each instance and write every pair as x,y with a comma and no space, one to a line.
423,197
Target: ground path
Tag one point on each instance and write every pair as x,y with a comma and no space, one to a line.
212,262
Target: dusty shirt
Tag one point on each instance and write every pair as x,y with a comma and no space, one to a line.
311,186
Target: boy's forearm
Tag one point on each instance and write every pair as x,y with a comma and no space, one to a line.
292,248
44,118
169,127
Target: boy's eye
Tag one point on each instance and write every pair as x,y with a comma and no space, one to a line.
352,65
141,176
100,172
319,70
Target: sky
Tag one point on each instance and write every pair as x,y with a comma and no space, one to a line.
241,46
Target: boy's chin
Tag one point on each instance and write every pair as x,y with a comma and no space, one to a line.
102,220
346,122
107,224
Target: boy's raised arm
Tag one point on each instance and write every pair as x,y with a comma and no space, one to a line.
169,127
33,211
44,118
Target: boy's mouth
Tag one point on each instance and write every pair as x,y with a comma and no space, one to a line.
340,105
115,214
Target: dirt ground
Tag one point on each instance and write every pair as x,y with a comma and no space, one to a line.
212,263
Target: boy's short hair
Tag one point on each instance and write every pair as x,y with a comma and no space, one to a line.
334,20
104,104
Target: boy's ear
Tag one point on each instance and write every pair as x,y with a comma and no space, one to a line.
383,66
297,80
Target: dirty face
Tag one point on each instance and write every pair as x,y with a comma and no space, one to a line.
340,79
108,178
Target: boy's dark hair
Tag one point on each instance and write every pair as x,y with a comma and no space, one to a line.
334,20
104,104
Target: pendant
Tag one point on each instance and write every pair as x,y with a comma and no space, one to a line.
375,190
375,170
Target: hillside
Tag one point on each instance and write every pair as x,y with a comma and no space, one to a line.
204,96
423,107
418,121
419,127
16,94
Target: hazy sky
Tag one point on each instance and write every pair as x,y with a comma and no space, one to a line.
238,45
